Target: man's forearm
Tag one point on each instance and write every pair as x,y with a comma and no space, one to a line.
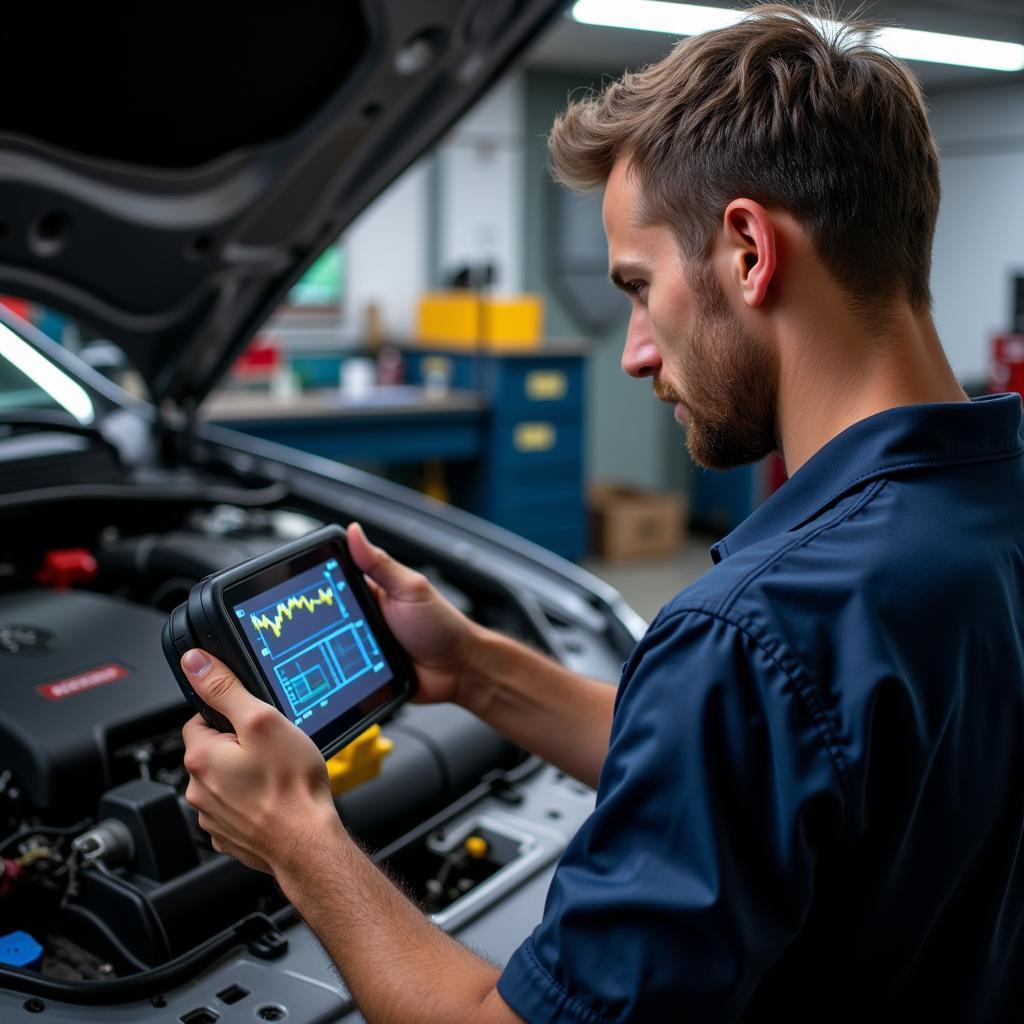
538,704
398,966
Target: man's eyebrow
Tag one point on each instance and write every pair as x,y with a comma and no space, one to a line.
621,271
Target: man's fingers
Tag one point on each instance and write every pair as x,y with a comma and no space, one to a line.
396,579
194,729
206,823
219,687
198,737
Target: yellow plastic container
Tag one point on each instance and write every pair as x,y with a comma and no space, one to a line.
513,323
359,761
449,317
464,320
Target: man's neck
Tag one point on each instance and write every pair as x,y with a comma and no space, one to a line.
834,374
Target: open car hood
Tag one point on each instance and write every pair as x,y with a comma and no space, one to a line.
167,179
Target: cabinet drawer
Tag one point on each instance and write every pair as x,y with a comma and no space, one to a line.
554,517
536,388
523,446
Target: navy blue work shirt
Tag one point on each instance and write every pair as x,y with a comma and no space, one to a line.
813,800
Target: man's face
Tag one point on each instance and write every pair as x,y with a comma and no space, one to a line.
722,380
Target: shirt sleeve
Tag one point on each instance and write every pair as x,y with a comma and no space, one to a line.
694,871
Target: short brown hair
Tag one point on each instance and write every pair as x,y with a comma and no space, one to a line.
791,110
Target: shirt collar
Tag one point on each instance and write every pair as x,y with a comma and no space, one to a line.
908,437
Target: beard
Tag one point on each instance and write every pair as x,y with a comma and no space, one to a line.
731,379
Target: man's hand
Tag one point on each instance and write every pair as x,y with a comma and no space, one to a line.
439,639
263,797
262,792
528,698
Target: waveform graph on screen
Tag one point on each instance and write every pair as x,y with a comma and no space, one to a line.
312,641
295,620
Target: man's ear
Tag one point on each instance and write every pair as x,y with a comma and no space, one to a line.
749,237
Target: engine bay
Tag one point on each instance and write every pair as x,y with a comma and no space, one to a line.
112,900
103,865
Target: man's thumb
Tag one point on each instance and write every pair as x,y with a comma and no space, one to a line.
392,576
218,686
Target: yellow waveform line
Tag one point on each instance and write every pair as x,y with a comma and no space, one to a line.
286,609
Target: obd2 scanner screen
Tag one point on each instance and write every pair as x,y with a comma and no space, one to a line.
313,645
301,630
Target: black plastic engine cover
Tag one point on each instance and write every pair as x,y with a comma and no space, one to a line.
82,675
78,672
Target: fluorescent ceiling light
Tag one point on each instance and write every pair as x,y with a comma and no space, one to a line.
905,43
66,392
654,16
939,48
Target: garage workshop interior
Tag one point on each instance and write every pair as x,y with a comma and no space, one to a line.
269,271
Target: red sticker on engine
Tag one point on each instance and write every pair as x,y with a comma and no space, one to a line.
72,685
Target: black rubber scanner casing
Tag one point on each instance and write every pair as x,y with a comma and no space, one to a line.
206,621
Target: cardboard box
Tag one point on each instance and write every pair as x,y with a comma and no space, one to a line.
628,522
466,320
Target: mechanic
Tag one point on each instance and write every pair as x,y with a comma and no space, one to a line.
810,781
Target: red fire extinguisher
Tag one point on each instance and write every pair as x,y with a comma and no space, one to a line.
1006,367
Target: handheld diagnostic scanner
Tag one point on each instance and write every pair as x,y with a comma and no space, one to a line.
301,630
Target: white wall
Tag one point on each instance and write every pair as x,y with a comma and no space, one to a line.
387,248
386,257
481,169
386,253
979,240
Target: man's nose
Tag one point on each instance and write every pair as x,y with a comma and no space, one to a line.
640,357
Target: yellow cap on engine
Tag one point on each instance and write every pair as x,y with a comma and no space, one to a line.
476,847
358,762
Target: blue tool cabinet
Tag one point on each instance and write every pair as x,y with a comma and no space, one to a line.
509,431
529,477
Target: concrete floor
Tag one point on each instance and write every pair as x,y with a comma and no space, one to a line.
649,584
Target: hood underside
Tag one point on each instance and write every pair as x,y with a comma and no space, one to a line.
168,177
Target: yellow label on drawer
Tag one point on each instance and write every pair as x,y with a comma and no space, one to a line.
546,385
534,437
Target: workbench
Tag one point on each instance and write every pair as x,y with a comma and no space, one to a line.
399,425
509,430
